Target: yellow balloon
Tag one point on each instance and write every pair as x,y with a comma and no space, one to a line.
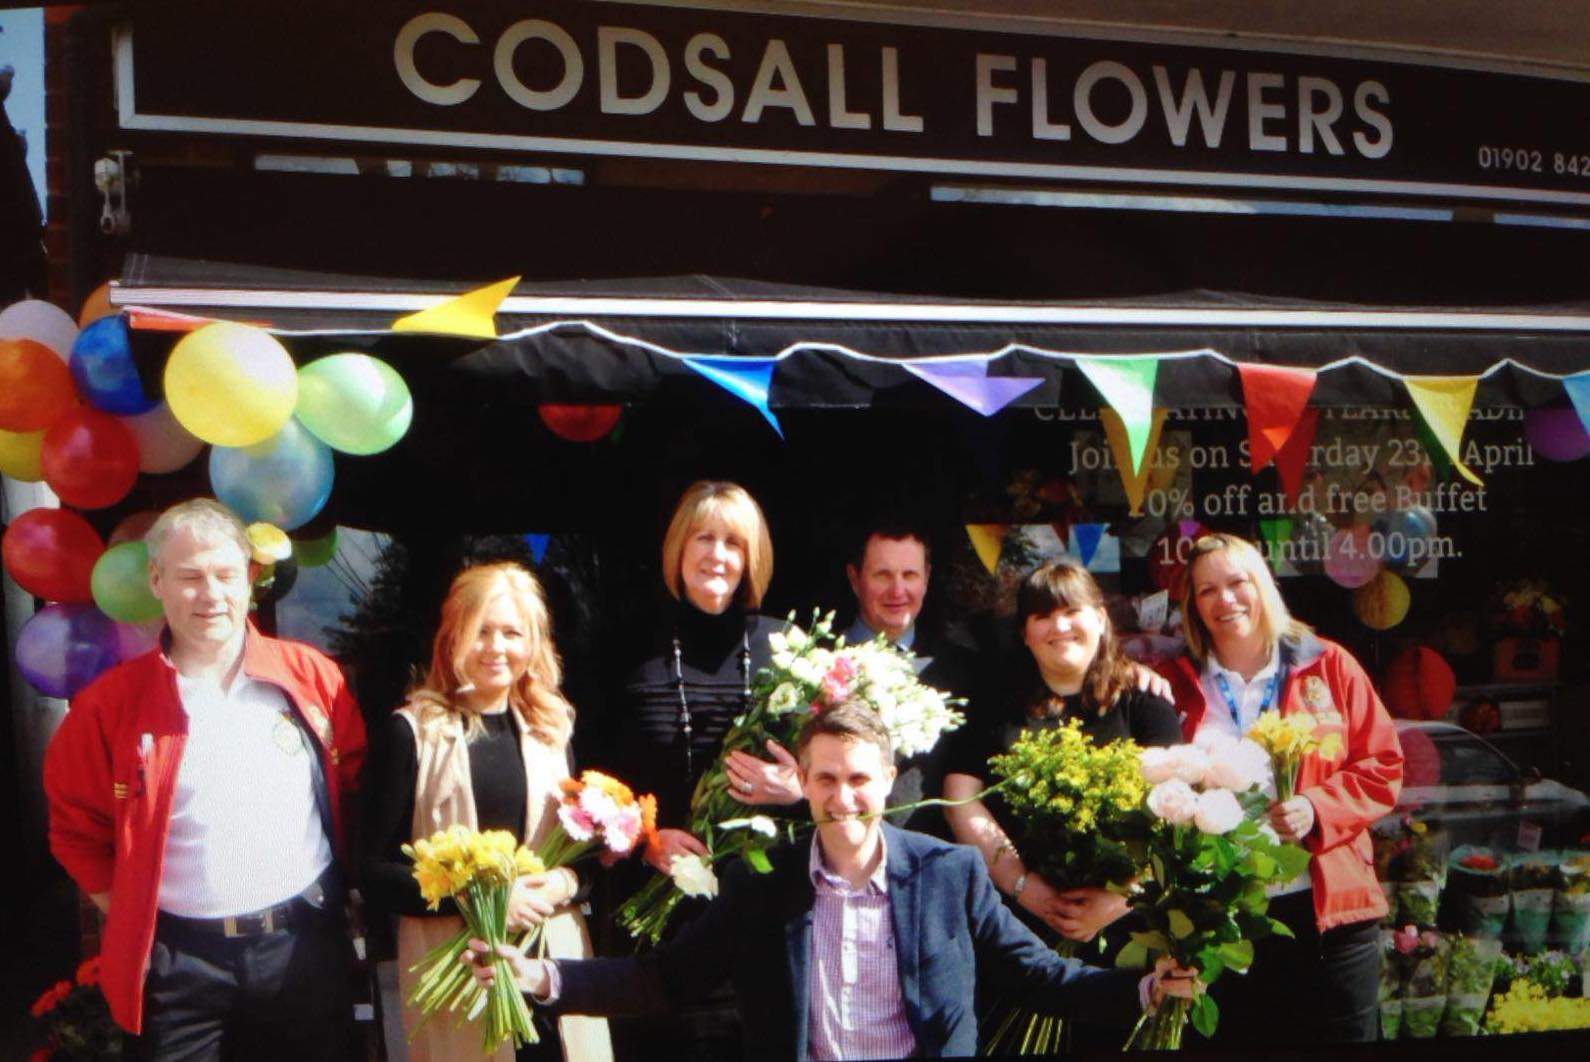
231,384
19,455
1383,602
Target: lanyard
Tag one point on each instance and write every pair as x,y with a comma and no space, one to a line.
1231,702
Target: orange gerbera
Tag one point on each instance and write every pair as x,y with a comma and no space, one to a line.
621,793
648,818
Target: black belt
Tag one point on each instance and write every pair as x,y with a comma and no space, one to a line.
312,902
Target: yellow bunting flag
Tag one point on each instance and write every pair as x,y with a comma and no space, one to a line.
1136,483
470,314
987,540
1444,403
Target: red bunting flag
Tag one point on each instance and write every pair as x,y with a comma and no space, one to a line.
1275,397
1292,458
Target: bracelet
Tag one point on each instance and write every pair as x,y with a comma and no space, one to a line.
1021,883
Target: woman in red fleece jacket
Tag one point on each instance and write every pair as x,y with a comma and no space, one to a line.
1246,655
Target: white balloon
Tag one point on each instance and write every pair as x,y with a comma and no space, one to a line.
163,444
42,322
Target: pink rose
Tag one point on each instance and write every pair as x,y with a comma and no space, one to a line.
837,683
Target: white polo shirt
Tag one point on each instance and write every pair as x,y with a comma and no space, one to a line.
245,830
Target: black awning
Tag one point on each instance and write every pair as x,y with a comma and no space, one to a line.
622,340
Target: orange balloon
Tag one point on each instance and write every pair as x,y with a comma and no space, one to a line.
97,305
35,386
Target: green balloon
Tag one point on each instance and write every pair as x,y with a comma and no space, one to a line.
312,553
121,584
354,403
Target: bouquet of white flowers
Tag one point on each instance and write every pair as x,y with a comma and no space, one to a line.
810,672
1211,858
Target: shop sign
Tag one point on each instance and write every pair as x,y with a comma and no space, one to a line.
964,97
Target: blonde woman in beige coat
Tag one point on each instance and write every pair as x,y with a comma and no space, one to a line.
482,741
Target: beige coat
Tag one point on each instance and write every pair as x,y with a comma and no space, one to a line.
443,796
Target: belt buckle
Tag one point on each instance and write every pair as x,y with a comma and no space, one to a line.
249,925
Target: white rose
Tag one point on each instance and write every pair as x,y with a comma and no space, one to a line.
693,876
777,643
1192,763
1174,801
1218,811
1238,766
1157,765
785,699
795,638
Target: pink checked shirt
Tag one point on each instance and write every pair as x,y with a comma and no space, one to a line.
856,1010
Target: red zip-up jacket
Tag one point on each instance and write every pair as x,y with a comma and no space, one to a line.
110,777
1348,793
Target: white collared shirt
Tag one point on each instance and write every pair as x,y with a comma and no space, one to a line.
1249,695
245,831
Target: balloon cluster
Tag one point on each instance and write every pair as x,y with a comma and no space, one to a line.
76,413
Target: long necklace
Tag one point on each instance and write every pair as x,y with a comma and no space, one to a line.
684,703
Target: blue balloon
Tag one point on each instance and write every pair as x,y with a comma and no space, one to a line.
103,368
285,480
62,648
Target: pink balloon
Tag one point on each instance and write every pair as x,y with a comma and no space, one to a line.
43,322
1556,434
163,444
1347,558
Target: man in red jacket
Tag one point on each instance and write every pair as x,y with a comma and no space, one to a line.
197,795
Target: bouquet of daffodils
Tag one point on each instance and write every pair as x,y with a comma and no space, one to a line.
811,671
477,870
1288,738
1211,858
1085,825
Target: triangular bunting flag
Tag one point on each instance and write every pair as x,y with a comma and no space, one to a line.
1275,398
1292,458
1578,388
470,314
987,541
538,545
1136,483
1440,463
748,379
1127,386
968,383
1085,541
1444,401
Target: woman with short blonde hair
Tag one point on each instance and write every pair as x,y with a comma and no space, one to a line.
483,741
715,501
692,677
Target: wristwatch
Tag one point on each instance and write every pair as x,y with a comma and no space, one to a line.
1021,883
